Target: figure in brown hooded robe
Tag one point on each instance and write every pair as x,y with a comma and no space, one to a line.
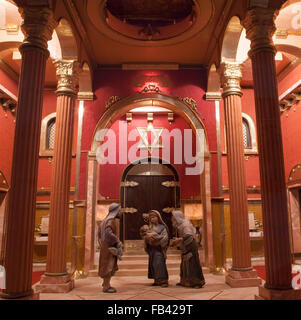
156,248
191,273
110,247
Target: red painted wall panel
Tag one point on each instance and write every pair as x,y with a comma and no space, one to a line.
110,174
290,122
183,83
7,129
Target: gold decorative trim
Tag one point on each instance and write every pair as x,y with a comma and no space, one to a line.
12,29
171,184
67,76
191,102
129,184
111,101
213,96
85,96
231,76
128,210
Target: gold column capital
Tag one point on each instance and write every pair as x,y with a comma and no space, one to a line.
38,25
260,28
67,76
230,77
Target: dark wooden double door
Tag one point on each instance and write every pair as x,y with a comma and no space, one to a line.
147,193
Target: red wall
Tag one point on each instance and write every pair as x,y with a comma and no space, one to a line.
182,83
290,122
110,174
7,129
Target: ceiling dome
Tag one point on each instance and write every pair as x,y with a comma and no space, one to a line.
150,19
155,12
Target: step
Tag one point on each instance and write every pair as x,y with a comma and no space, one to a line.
143,257
144,264
142,252
122,272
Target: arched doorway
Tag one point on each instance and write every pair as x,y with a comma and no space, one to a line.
147,184
110,115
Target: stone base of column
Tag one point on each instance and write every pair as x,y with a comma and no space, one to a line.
270,294
239,279
55,284
26,296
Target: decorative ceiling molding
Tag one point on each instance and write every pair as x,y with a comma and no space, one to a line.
204,13
219,30
77,22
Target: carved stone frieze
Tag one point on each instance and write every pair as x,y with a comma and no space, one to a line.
111,101
191,102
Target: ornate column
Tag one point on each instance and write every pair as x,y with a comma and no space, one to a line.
56,278
241,273
260,27
37,27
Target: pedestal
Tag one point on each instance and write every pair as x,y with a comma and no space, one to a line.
55,284
238,279
270,294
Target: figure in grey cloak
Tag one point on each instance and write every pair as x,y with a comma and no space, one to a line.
110,247
191,274
156,247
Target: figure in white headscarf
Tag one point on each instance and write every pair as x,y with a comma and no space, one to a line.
191,274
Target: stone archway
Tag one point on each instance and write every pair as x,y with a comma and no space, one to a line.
113,113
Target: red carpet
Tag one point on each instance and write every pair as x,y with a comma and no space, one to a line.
36,276
261,272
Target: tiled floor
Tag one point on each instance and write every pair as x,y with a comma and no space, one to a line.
139,288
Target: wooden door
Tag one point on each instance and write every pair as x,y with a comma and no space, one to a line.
144,193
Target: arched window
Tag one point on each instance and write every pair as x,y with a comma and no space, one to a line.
50,136
246,134
249,134
47,135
